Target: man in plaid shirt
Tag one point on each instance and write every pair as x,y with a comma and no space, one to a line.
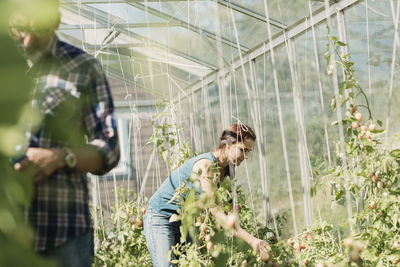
77,134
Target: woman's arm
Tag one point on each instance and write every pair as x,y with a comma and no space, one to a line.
230,221
260,246
205,169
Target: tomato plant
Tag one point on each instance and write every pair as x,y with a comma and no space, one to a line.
369,171
123,243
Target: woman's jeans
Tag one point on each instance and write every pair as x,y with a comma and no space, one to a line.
161,235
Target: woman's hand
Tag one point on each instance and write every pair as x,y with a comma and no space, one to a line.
262,248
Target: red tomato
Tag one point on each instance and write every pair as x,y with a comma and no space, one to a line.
372,126
358,116
238,208
372,205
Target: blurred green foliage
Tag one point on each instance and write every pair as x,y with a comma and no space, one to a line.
16,237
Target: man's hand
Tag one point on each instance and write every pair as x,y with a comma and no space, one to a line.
41,162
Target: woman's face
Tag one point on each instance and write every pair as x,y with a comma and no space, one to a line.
239,151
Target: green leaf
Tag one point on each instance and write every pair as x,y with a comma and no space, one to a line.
333,104
341,87
365,142
341,43
159,142
395,153
379,122
222,259
218,237
241,245
369,148
395,218
339,195
172,142
164,154
377,131
349,132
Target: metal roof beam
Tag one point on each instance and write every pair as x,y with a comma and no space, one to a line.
90,2
105,19
187,25
252,14
122,59
118,26
265,47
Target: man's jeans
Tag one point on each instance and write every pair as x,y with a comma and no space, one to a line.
77,252
161,235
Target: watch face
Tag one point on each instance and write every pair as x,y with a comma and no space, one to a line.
70,160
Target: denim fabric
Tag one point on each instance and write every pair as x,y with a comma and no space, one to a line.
161,235
76,252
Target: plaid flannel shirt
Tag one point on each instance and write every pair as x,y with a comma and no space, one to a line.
73,95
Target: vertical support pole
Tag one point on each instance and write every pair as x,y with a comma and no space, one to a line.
260,143
392,66
283,136
302,144
317,67
339,118
95,204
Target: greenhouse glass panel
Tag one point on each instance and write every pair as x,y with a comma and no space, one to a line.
183,40
234,26
318,117
371,41
285,12
274,151
127,13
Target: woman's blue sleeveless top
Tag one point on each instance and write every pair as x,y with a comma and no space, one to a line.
159,201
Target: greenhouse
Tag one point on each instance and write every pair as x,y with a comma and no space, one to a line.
200,133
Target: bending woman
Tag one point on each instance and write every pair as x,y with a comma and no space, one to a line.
235,145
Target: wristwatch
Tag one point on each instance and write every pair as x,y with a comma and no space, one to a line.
70,158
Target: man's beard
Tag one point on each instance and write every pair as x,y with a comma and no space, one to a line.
32,55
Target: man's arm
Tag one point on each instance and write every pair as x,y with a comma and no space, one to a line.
101,153
42,162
